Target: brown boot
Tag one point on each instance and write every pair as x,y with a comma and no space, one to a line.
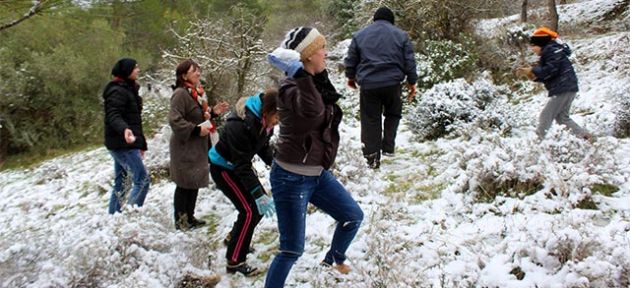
341,268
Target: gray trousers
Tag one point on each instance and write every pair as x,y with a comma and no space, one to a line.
557,108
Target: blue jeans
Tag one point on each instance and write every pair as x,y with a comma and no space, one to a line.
291,194
128,161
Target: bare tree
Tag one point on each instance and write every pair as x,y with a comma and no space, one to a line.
553,15
524,11
37,7
227,51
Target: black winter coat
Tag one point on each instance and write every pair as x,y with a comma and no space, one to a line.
123,109
555,69
240,139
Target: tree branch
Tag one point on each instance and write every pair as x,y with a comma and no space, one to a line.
37,7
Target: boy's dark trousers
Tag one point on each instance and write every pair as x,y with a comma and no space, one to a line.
248,215
377,135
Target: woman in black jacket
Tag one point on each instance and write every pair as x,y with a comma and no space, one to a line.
123,134
246,133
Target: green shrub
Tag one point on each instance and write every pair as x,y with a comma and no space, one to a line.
52,85
445,60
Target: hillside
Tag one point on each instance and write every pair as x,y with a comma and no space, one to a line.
431,219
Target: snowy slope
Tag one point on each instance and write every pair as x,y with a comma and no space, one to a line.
423,226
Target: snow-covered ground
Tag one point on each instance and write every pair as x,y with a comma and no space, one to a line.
424,224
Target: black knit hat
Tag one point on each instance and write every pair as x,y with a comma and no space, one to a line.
541,41
384,13
124,67
305,40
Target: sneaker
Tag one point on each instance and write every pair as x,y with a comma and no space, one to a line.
242,268
388,154
373,160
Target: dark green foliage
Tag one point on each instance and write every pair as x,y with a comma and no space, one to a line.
54,65
53,70
604,189
343,13
445,60
586,203
490,187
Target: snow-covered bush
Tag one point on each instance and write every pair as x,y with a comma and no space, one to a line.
448,107
500,168
621,127
445,60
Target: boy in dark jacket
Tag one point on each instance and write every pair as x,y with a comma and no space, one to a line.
246,133
556,72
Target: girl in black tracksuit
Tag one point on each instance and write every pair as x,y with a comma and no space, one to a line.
246,133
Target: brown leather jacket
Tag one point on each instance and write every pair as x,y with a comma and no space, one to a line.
309,129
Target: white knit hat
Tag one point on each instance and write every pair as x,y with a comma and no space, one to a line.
305,40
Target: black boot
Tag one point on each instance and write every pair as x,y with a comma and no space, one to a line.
196,223
181,221
374,160
242,268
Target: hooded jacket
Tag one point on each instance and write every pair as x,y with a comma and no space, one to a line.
555,69
242,137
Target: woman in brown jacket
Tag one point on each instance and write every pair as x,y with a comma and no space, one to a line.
306,148
189,141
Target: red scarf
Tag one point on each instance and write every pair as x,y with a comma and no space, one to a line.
196,92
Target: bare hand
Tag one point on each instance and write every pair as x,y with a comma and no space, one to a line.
412,92
129,137
221,107
525,71
204,132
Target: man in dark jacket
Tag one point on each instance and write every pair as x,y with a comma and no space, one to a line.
556,72
123,134
379,59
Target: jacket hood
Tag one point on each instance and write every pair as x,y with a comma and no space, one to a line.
251,103
555,46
